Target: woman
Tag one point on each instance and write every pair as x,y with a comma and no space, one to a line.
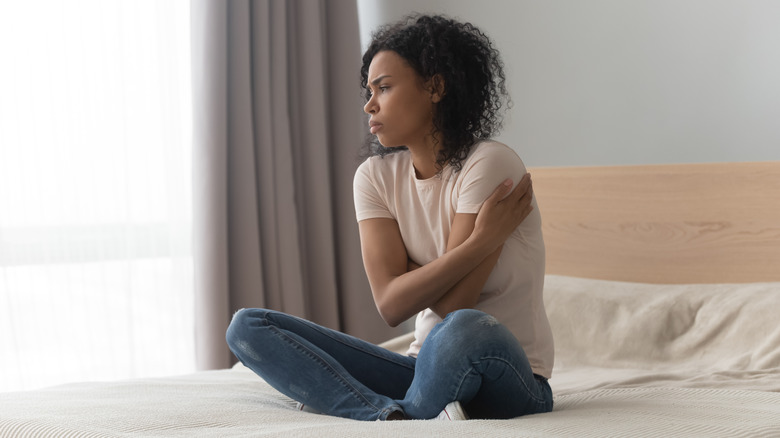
443,235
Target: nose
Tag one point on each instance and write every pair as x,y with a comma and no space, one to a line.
370,106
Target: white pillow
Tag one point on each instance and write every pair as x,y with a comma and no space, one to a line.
619,324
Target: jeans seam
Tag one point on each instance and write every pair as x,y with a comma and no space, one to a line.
316,357
354,347
462,379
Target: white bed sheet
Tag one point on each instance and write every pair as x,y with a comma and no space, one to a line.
633,360
236,403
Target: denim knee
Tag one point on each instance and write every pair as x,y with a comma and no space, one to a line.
470,321
233,332
470,316
466,329
241,325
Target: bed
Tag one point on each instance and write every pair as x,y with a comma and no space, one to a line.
663,290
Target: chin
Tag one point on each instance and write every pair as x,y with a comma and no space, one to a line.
389,145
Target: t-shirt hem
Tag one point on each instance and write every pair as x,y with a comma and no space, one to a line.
374,215
469,208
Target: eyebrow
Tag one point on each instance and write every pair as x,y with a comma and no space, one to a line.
379,79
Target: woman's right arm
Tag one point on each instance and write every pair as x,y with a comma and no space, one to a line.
400,293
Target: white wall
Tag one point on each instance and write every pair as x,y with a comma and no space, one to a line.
603,82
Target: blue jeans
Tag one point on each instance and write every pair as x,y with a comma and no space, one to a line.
469,357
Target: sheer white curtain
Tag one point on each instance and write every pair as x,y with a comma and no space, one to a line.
95,198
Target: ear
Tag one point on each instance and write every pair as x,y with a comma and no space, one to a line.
436,87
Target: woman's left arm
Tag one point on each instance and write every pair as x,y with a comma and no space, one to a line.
465,294
492,164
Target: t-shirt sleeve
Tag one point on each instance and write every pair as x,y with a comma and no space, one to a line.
488,168
369,203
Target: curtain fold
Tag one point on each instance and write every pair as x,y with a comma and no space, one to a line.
277,127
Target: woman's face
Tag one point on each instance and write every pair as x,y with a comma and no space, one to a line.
401,105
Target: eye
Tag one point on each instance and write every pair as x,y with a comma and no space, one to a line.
381,88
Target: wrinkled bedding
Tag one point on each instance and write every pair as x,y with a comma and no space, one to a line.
612,334
631,360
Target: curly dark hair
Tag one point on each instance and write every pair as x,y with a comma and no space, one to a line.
473,73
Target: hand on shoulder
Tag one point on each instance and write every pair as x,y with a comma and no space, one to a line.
504,210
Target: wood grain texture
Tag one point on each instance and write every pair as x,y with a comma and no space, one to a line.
682,223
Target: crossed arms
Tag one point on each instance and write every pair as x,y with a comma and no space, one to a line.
453,281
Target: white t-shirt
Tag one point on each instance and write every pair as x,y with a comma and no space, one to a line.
387,187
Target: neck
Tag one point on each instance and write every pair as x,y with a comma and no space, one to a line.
424,157
424,169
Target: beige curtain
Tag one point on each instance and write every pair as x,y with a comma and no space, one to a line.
277,128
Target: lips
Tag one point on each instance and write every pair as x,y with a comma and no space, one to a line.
374,127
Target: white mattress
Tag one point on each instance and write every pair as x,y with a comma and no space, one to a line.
633,360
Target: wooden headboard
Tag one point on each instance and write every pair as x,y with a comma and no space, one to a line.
682,223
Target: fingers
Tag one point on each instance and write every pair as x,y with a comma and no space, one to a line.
524,186
500,191
524,195
523,191
503,211
520,190
528,191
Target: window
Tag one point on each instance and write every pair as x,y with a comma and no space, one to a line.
95,197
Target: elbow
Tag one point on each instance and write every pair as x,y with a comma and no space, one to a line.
390,319
392,323
390,315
